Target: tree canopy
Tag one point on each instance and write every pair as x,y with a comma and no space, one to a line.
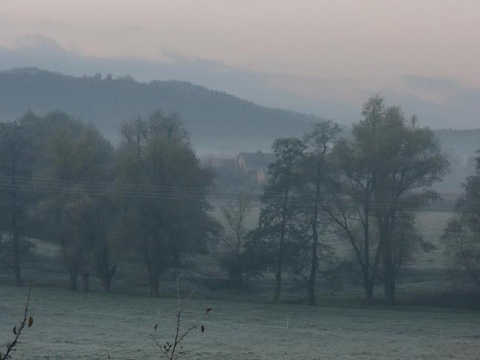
393,163
166,213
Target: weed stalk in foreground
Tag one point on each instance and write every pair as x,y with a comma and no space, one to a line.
175,349
17,330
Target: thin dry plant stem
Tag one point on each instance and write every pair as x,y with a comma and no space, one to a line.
27,321
175,350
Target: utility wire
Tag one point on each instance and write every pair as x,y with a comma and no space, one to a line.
99,188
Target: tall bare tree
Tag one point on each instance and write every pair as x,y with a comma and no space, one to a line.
317,172
233,238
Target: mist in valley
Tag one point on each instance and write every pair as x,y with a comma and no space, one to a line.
233,191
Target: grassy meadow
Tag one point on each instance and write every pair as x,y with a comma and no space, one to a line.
112,326
242,325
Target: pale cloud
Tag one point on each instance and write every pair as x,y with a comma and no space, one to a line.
38,42
343,38
311,54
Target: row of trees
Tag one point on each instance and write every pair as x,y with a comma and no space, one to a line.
62,181
365,188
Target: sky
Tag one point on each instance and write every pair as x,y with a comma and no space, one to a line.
315,56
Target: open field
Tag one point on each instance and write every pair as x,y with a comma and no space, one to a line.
94,326
98,326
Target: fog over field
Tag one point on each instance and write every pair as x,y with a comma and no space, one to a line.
239,179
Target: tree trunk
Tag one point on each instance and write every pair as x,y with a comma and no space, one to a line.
107,281
235,275
369,286
105,266
313,268
314,261
311,293
239,278
154,282
390,291
388,266
106,284
278,275
73,274
389,283
278,287
152,270
86,282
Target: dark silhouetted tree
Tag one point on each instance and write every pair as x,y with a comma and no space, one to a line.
317,173
391,163
235,215
80,208
279,228
166,212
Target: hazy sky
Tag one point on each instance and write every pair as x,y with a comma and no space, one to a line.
317,56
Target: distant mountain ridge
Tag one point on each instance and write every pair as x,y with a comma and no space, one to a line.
217,121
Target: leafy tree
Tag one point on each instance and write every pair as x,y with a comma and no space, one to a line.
79,210
166,208
318,143
398,162
16,155
462,234
279,225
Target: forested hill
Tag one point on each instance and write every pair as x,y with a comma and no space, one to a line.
217,121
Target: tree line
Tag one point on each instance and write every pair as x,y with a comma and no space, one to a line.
366,190
61,180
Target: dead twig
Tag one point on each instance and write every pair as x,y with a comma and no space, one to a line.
175,349
17,330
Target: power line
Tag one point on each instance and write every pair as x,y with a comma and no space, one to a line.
99,188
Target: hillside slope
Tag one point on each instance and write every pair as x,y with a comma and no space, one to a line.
217,121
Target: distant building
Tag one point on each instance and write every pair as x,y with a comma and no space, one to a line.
255,165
